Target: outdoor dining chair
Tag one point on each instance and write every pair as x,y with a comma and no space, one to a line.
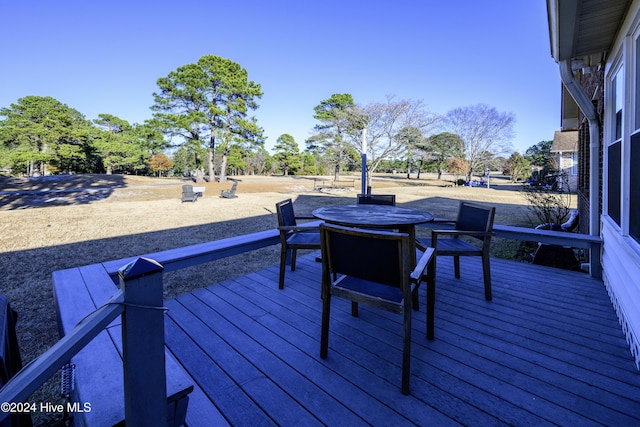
373,268
294,236
475,222
377,199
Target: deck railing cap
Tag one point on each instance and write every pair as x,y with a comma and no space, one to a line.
138,268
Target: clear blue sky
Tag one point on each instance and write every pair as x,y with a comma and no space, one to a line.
105,56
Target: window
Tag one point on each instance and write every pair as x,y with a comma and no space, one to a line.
614,150
570,163
637,94
614,157
618,90
634,169
634,188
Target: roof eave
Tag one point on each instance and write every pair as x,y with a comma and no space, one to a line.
584,30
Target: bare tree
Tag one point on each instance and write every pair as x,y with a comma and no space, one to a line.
548,205
483,130
383,123
414,142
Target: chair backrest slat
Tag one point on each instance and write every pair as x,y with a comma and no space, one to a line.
377,199
375,256
286,215
473,217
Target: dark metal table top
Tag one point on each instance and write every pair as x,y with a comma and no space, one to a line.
382,216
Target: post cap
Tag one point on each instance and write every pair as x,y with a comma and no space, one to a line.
138,268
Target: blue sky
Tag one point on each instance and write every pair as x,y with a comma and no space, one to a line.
105,57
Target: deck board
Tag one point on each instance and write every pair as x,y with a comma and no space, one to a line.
547,350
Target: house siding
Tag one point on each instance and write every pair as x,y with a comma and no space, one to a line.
620,252
621,270
612,56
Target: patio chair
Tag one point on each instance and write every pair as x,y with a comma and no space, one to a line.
294,236
474,221
373,268
230,193
377,199
188,195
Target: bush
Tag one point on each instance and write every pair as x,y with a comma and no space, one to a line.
547,205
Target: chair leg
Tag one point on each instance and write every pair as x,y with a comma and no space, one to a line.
324,335
406,352
294,253
486,271
354,309
415,301
283,262
431,301
456,266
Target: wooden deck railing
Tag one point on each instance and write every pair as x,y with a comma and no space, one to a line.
561,238
549,237
33,375
145,401
143,360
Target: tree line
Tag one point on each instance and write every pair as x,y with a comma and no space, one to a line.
203,124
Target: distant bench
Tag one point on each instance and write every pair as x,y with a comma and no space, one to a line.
99,375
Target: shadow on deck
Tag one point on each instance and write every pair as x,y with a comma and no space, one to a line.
547,350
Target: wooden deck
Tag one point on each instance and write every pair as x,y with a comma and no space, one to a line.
548,350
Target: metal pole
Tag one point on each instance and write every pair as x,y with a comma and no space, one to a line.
364,162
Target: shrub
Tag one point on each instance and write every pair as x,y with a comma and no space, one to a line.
547,204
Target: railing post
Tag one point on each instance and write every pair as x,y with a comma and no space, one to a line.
145,395
595,260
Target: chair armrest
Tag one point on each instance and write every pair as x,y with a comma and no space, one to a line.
443,221
423,263
311,227
305,217
420,246
438,222
310,221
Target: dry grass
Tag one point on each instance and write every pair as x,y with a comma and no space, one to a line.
49,224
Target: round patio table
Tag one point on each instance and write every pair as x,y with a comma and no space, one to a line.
377,216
